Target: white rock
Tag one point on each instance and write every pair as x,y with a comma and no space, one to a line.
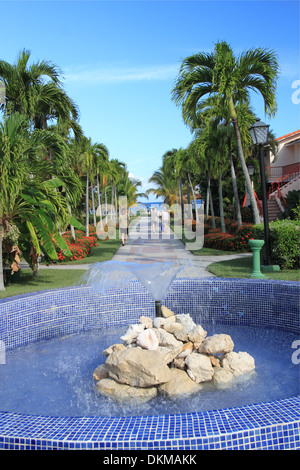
197,334
178,384
186,350
217,344
199,367
172,327
147,339
169,347
166,312
147,321
100,372
132,332
160,322
238,363
137,367
186,321
222,376
125,393
113,348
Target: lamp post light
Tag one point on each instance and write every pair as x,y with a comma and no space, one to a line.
259,134
251,169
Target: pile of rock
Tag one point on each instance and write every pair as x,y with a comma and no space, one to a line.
170,355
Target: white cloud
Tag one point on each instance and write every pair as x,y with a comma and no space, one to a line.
126,74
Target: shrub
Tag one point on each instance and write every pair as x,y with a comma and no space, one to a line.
80,248
284,242
237,241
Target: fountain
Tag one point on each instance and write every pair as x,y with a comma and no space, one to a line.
155,277
170,355
267,308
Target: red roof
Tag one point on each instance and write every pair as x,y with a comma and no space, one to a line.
288,135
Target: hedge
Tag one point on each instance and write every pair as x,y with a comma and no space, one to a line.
236,239
284,242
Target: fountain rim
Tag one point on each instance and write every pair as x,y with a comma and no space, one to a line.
271,412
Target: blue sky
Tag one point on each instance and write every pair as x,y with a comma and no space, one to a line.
120,58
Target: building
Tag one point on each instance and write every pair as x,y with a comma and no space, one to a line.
283,172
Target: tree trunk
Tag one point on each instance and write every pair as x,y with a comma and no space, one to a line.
99,202
71,226
243,163
181,196
2,288
211,204
87,230
207,199
105,199
194,197
93,205
112,201
223,228
235,188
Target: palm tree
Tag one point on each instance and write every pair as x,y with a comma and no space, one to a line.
102,159
230,79
35,91
33,205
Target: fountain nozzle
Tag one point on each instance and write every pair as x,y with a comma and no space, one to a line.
158,308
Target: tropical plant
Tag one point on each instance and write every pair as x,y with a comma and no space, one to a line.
36,207
34,90
230,79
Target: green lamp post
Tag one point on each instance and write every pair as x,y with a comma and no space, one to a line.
256,246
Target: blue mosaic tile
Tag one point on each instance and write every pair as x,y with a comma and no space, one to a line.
48,314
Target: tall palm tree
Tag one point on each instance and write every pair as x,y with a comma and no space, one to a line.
35,91
101,162
231,79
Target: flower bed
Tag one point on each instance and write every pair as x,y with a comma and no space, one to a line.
80,248
234,240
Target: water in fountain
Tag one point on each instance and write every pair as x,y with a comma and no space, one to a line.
155,277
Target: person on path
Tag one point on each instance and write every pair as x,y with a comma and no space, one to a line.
124,221
165,221
154,218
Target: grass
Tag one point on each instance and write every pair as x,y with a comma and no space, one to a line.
242,268
47,279
212,252
54,278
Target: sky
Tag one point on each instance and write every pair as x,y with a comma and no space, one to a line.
119,61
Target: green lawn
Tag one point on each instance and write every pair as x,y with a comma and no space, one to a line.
212,252
242,268
51,278
47,279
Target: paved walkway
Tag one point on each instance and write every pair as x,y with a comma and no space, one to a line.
146,247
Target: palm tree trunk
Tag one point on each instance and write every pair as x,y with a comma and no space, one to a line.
105,199
112,201
2,288
243,163
99,202
87,230
71,226
223,228
209,203
181,196
194,197
235,188
93,204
